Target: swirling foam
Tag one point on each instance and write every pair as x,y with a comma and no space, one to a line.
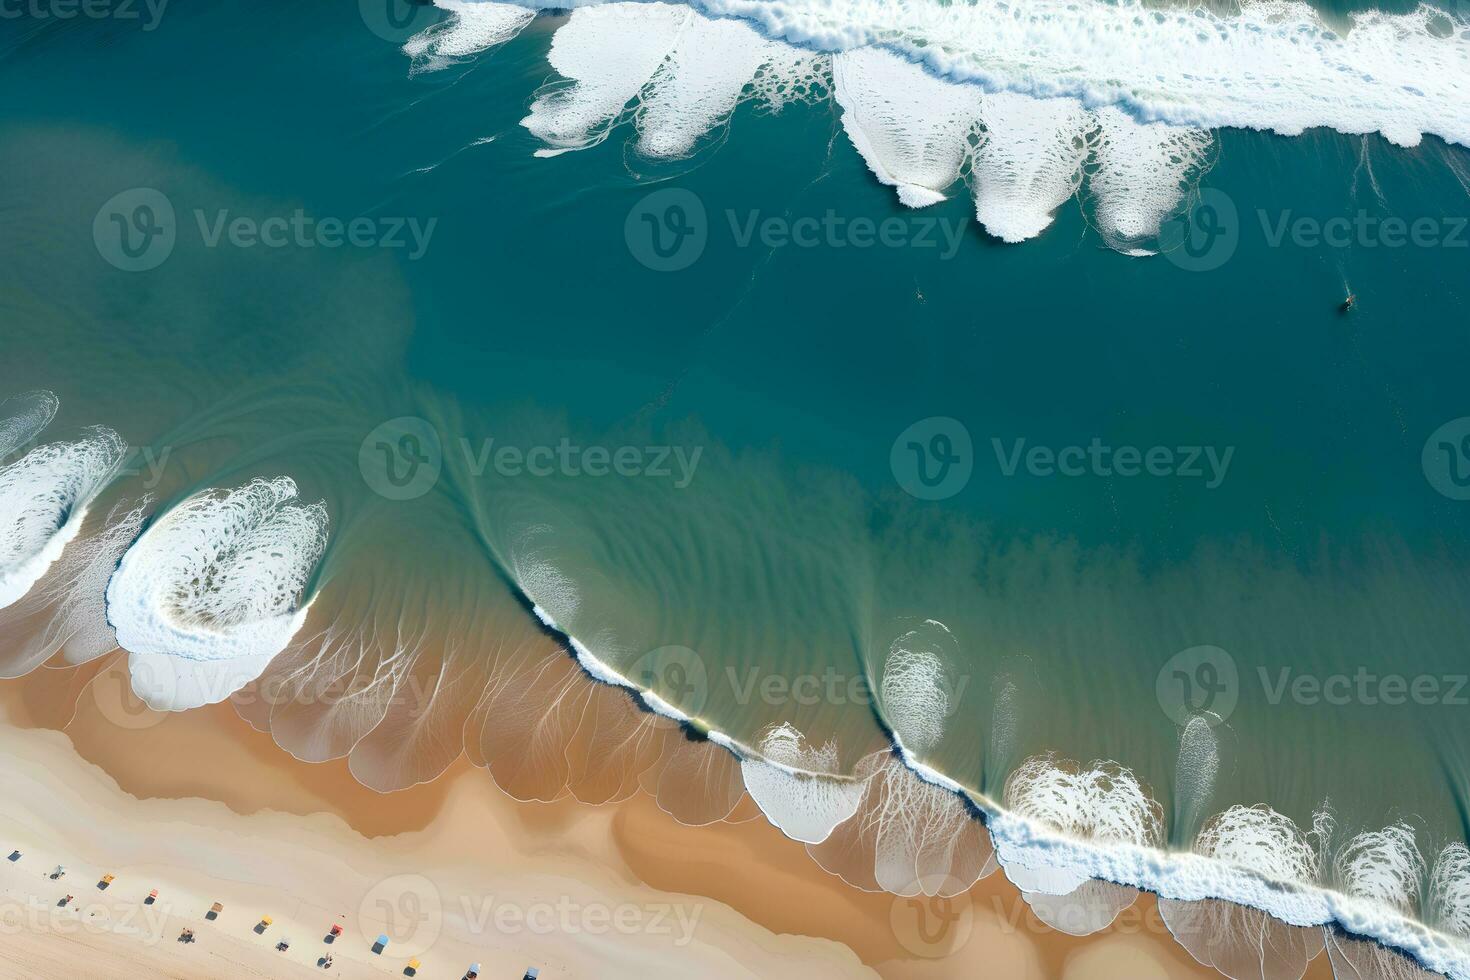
23,416
213,590
912,689
44,496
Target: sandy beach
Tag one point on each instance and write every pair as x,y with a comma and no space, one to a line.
204,809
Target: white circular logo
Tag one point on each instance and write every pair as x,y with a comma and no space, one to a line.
1205,237
1200,680
933,458
397,20
676,674
112,692
402,458
667,230
1446,459
933,925
135,230
405,908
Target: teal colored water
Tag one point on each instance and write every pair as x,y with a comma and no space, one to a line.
1305,520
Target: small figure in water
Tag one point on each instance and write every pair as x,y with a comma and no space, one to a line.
1348,304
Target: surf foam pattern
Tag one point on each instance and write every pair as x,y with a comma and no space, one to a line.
1023,102
470,29
805,808
65,612
1249,898
912,129
1270,64
44,497
213,590
23,416
684,73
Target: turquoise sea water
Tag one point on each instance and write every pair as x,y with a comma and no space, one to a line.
782,512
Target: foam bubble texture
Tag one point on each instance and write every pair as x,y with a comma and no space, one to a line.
912,129
1259,839
69,602
472,27
1384,866
23,416
1142,174
213,590
1270,64
609,53
911,691
699,84
1029,163
43,498
805,808
1449,890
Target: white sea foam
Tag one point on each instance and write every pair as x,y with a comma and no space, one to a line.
913,130
1026,98
805,808
23,416
69,600
698,84
1141,174
213,590
1449,890
608,54
1030,162
1384,866
44,496
471,28
911,690
1271,64
1195,772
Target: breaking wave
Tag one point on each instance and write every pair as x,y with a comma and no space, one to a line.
1027,105
44,495
209,601
213,590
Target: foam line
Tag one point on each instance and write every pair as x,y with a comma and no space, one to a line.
1029,843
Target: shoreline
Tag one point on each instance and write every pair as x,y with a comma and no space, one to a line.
1115,862
288,840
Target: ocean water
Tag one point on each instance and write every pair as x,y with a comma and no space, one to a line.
965,380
